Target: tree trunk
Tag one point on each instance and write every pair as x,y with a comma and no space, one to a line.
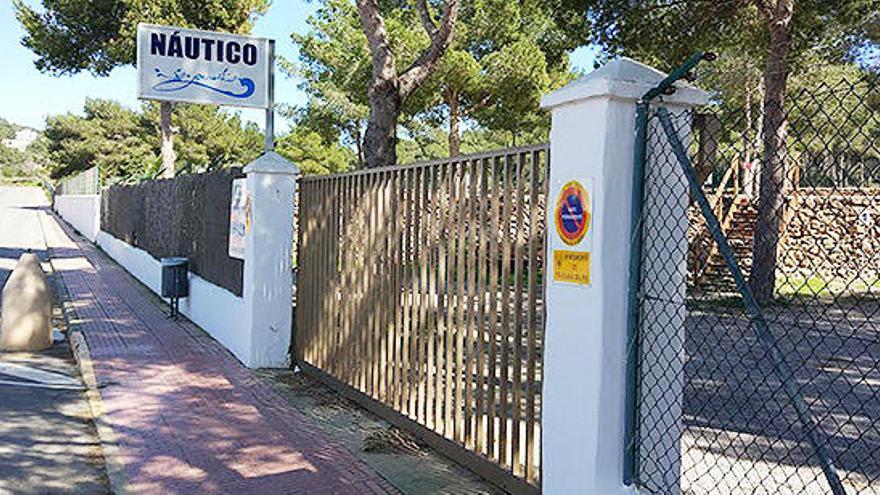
773,169
359,144
454,118
380,140
167,147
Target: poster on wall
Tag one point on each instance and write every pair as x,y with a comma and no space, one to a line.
193,66
239,218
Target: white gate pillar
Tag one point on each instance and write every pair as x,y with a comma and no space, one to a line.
268,276
591,142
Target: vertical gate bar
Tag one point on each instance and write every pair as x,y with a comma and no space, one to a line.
373,285
362,316
470,319
422,333
516,460
312,301
450,362
482,330
398,300
394,302
366,306
347,300
431,334
505,316
412,243
531,321
339,350
325,278
442,301
381,262
353,282
494,329
344,269
407,217
389,299
322,271
334,303
319,272
326,329
460,323
363,313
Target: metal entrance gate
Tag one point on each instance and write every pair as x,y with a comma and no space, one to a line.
420,294
734,394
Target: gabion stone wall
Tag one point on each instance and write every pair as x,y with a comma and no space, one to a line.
835,233
186,216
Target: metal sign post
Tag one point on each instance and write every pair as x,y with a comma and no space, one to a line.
270,108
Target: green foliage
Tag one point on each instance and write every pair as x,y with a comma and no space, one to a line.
429,143
12,162
7,129
208,138
124,143
108,135
503,57
663,34
312,154
70,36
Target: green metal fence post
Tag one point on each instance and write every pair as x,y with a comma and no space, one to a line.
630,459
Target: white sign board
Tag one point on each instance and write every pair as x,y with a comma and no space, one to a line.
239,218
187,65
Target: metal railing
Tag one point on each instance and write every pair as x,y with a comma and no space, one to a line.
86,182
420,293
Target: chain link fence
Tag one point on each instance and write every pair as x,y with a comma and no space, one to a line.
786,399
86,182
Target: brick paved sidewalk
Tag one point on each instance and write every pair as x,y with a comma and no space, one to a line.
187,416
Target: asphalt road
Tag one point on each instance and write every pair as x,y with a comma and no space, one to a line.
48,442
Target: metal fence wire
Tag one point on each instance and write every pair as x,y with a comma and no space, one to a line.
782,396
86,182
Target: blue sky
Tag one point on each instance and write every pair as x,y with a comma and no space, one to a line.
28,96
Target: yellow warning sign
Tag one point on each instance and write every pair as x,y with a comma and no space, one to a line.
571,266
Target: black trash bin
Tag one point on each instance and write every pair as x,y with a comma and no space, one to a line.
175,283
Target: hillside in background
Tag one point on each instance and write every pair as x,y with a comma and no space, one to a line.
22,150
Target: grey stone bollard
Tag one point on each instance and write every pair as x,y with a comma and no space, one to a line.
26,312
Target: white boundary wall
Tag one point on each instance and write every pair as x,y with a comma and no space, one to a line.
83,212
218,311
256,327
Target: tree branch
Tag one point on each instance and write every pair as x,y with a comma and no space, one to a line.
377,36
424,65
425,16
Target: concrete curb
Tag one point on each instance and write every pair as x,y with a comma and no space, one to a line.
116,472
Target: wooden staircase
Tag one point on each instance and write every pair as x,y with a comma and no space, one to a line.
712,274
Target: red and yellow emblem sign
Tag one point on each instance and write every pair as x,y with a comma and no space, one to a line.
572,213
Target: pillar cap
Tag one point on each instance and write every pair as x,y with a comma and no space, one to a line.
272,163
625,79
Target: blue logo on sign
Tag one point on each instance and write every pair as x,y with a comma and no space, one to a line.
223,82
